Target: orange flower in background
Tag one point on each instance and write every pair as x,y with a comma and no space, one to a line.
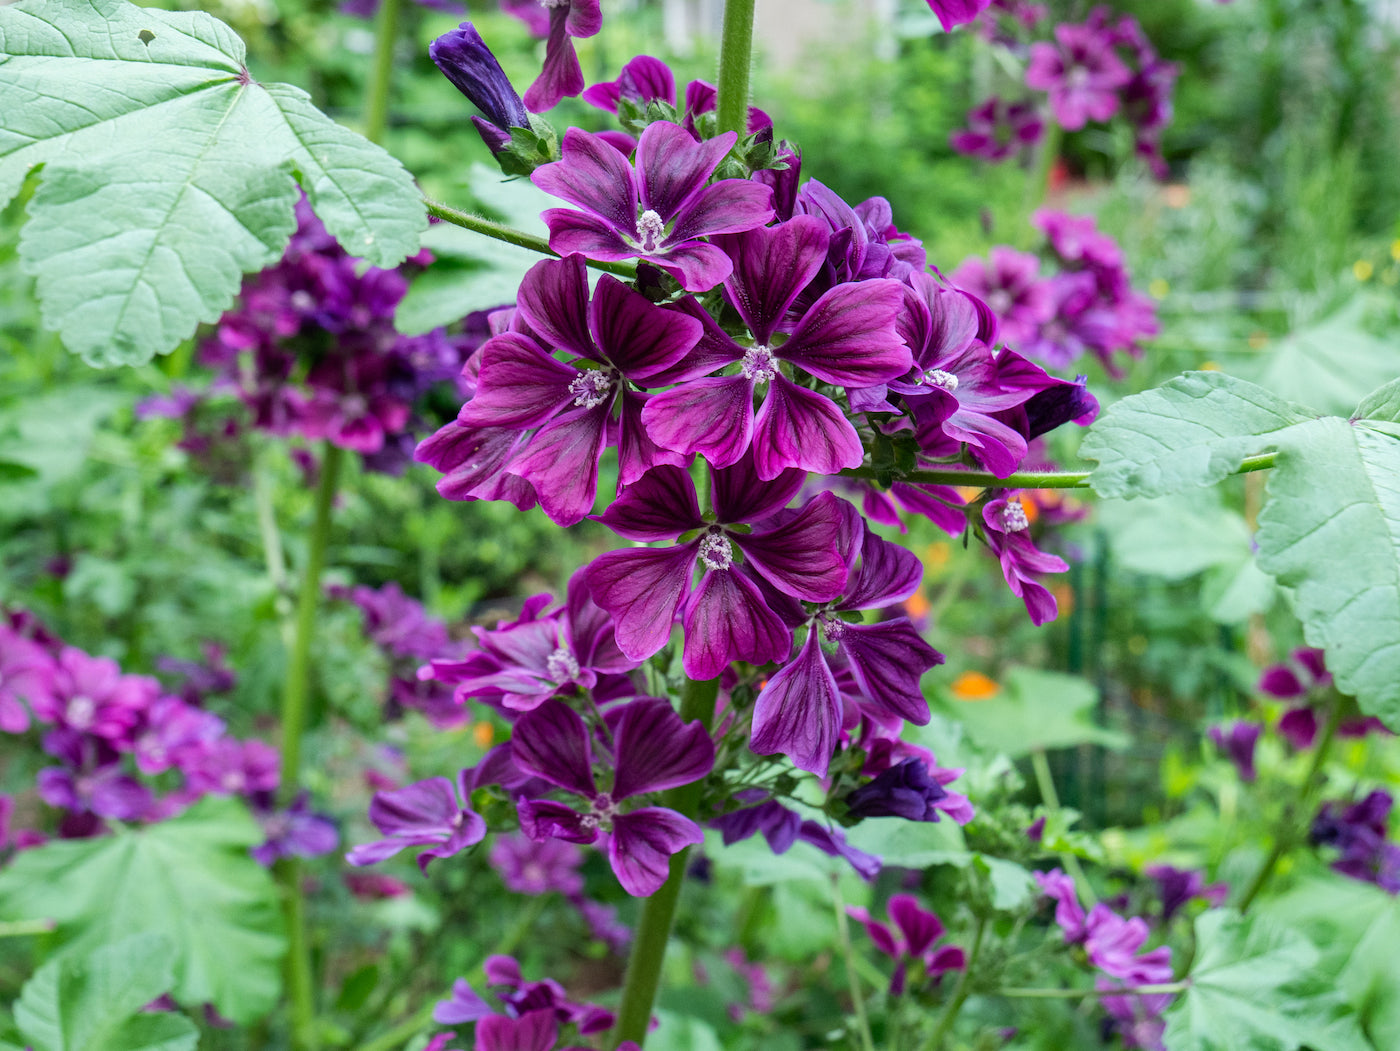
483,733
974,686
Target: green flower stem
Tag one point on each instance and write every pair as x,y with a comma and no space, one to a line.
843,933
423,1017
1028,479
23,928
960,991
300,977
735,57
1041,765
658,911
386,35
1076,994
511,236
1285,837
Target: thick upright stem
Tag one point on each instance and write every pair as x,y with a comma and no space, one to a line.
386,35
735,57
658,911
300,978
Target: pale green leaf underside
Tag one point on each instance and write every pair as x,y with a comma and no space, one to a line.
1331,532
189,879
168,173
1192,431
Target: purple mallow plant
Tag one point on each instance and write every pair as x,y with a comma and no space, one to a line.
911,940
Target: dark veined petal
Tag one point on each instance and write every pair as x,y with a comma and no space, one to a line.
573,232
772,264
553,300
635,334
849,337
543,819
642,588
561,76
672,166
551,742
655,749
425,808
887,574
725,620
798,713
593,176
561,462
920,927
740,495
585,18
887,660
661,505
642,844
697,265
532,1031
797,427
637,452
714,351
713,417
802,557
729,206
520,385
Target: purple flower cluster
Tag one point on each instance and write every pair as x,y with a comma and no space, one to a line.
1112,945
122,740
1360,832
913,943
1304,681
781,828
311,350
1086,303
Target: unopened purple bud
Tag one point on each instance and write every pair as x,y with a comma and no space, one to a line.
465,60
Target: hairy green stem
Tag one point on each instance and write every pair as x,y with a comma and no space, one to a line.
960,991
300,978
386,35
843,933
735,58
1075,994
1041,765
1284,835
511,236
658,911
1028,479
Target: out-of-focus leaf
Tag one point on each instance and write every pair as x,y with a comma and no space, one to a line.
1329,365
1036,709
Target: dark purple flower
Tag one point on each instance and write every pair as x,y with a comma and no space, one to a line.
657,211
1360,832
293,831
726,616
467,62
1012,287
864,244
846,338
1179,886
912,941
1082,74
532,1031
102,790
427,813
1237,741
904,791
197,679
561,75
529,867
651,750
1007,531
997,129
782,828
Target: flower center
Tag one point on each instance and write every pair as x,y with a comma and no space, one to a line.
81,712
592,387
650,231
999,301
561,665
1013,517
759,365
233,781
1077,78
716,552
940,379
832,628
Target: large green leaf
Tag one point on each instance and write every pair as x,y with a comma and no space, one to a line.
168,171
1192,431
1036,709
189,879
94,1003
1254,987
1330,531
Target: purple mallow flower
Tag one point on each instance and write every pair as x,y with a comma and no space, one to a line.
427,813
562,76
1360,831
618,341
1180,886
657,211
782,828
531,1012
293,831
1012,287
864,245
26,673
726,615
953,13
997,129
651,749
905,790
1081,72
912,942
529,867
846,338
1007,531
1237,741
468,63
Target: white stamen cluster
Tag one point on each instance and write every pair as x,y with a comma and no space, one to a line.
591,388
759,365
81,712
1013,517
562,665
938,378
832,627
650,231
716,552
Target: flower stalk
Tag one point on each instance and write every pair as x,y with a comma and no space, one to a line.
512,236
843,933
386,35
735,56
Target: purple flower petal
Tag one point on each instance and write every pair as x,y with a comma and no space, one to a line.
715,349
425,808
463,1006
796,427
887,660
739,495
637,452
729,206
698,266
655,749
849,338
801,557
642,844
660,505
713,417
920,927
553,301
575,232
772,264
798,712
585,18
726,619
472,460
551,742
532,1031
672,167
644,79
592,176
642,588
520,385
561,76
637,336
543,819
561,462
887,574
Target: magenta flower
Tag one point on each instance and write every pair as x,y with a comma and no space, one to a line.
1237,741
528,867
799,711
657,211
651,750
175,734
1012,287
91,782
864,241
997,129
427,813
26,672
1007,531
561,75
726,616
846,338
617,341
1082,74
953,13
92,696
230,767
913,941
